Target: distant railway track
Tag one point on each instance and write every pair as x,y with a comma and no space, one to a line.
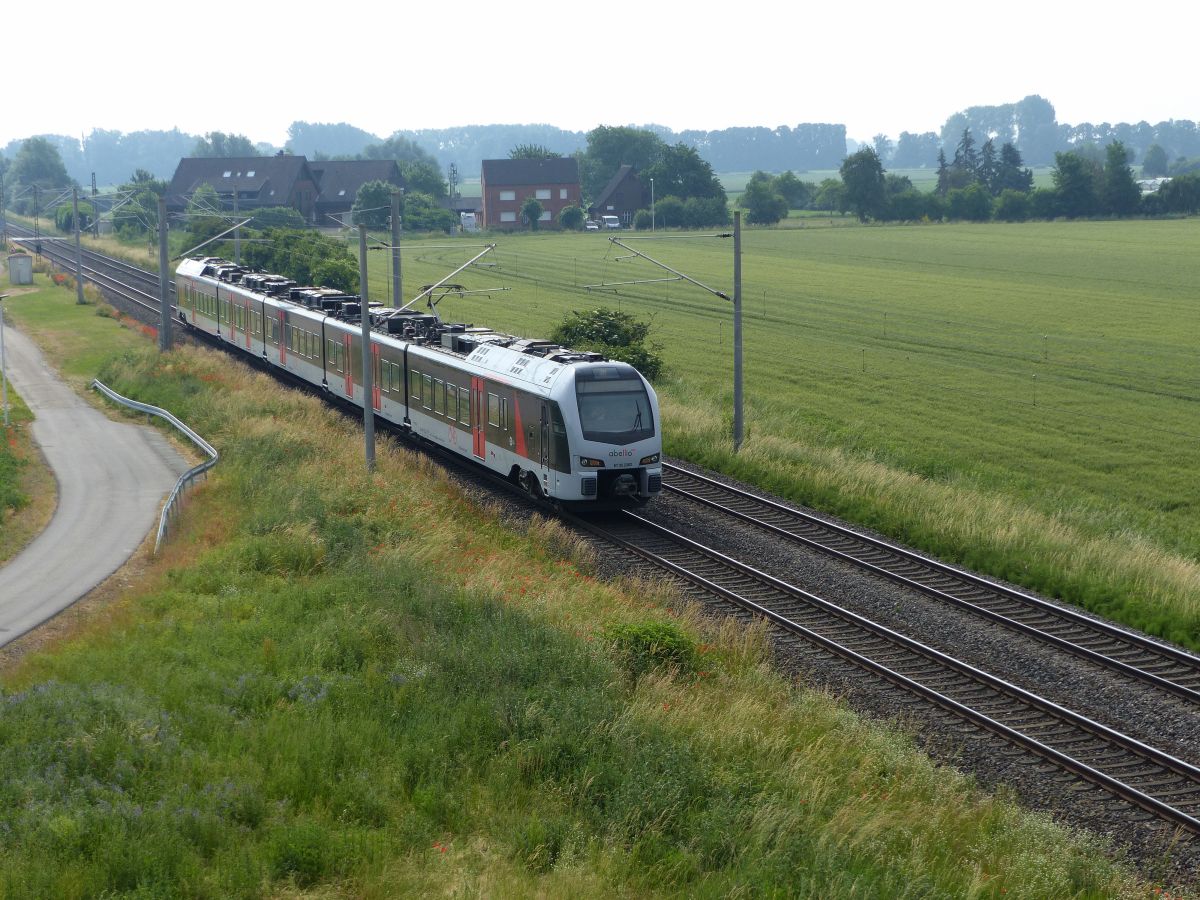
1100,643
116,278
1139,774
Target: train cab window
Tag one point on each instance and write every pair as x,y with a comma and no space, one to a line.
614,407
428,391
416,384
464,406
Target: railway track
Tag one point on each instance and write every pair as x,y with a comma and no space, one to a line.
116,278
1135,772
1103,644
1140,775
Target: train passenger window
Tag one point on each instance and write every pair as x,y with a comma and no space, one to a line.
493,410
291,338
464,406
504,413
428,391
416,384
451,402
439,396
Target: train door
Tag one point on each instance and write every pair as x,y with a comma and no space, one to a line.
478,418
282,337
544,432
376,392
348,364
544,439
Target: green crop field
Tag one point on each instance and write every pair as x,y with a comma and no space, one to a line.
1017,397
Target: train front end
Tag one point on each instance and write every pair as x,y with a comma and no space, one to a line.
615,434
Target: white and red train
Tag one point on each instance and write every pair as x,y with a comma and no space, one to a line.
569,426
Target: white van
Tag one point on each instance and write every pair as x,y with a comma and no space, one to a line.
611,221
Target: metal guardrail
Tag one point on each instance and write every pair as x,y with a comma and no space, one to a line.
171,507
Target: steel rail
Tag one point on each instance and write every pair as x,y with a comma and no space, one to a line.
1106,630
1125,791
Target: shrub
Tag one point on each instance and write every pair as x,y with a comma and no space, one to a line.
1012,206
972,203
643,220
641,647
616,334
571,218
669,212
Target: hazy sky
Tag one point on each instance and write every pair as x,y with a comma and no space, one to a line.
253,68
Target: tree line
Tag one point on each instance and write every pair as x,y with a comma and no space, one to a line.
980,185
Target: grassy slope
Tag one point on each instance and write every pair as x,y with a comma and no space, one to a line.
1017,398
371,687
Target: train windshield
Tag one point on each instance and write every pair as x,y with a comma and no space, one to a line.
613,405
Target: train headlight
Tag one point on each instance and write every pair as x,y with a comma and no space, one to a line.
588,463
652,458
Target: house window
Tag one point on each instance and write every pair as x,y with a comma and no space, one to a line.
508,217
229,173
508,195
250,174
562,193
542,194
545,216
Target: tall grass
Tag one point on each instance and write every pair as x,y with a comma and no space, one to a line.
368,685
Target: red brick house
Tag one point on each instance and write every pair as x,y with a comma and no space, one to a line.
507,183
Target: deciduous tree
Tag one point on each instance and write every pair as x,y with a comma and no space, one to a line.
1154,163
764,205
217,143
531,212
372,204
1119,193
862,175
1074,185
532,151
680,171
